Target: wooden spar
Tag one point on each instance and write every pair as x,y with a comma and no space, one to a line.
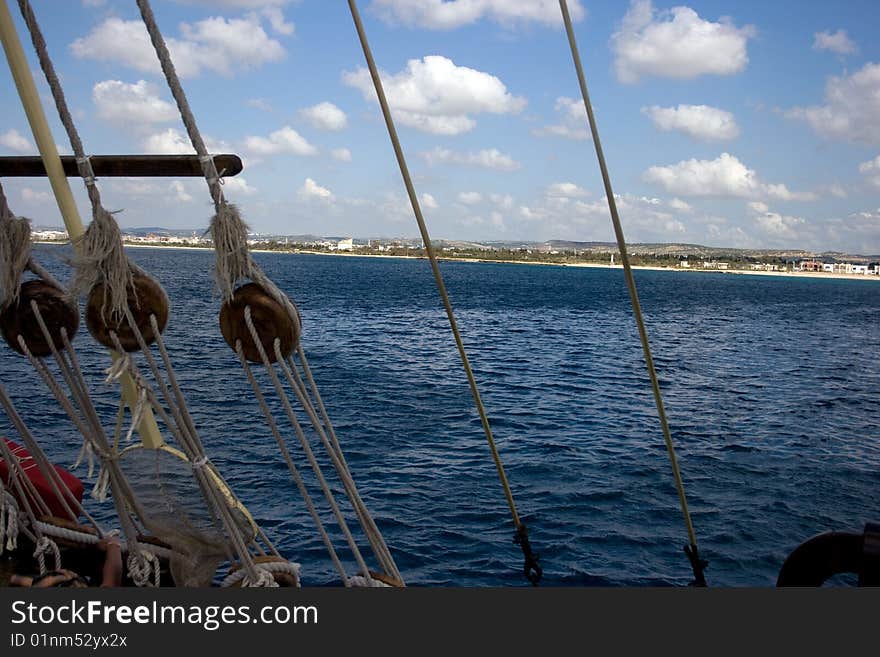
30,100
131,166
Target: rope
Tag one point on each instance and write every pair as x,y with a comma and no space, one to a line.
285,453
8,521
141,565
271,568
101,257
374,536
15,249
228,231
438,277
316,468
697,564
44,546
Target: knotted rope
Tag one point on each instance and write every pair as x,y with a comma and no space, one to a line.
44,546
8,521
141,565
15,250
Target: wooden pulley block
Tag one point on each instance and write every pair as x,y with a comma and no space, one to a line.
56,308
269,318
145,297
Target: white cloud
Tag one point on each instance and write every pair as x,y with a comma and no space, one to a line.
180,192
676,44
758,206
572,122
239,185
566,190
451,14
136,103
174,142
16,142
838,42
259,103
325,116
29,195
435,95
216,44
497,220
852,109
503,201
779,225
486,159
285,140
681,206
428,201
699,121
341,154
170,141
470,198
276,19
312,190
871,170
723,177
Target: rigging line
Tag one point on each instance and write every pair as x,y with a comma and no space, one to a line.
371,529
637,310
438,277
307,450
354,498
291,466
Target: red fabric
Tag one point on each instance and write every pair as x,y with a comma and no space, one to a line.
43,487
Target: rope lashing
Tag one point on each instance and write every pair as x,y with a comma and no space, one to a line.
697,564
45,546
141,565
435,268
8,521
15,241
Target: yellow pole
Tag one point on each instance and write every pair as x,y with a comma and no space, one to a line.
30,100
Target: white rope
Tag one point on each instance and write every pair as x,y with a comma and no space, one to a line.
359,581
141,565
307,450
272,567
8,521
45,545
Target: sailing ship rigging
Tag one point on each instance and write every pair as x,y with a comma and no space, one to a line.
127,311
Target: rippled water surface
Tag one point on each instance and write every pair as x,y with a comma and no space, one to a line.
770,384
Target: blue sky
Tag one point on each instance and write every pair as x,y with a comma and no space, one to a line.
740,124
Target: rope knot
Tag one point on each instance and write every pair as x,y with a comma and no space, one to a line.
45,545
200,462
84,165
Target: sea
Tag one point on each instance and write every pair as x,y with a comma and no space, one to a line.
770,384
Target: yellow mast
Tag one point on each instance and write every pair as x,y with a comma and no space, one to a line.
30,100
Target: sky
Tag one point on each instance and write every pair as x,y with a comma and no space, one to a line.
747,124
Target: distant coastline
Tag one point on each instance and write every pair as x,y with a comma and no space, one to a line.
794,274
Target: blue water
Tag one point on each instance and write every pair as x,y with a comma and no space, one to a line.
770,385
